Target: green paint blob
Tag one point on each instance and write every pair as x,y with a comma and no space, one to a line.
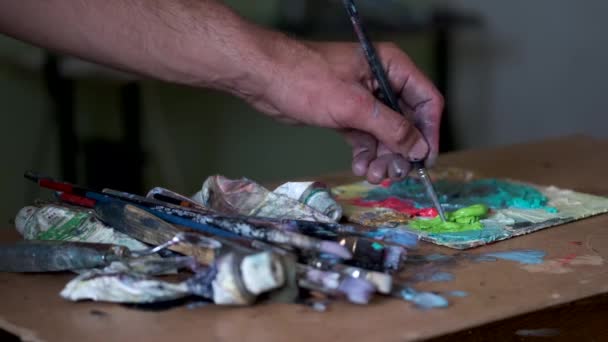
458,221
64,231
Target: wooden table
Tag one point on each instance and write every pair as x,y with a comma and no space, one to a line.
503,297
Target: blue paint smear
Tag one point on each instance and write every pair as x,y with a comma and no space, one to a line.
460,294
494,193
394,235
424,300
440,277
433,277
482,258
437,257
524,256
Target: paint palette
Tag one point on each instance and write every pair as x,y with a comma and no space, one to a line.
516,208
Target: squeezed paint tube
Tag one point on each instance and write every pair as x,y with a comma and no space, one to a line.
243,274
314,194
241,279
233,280
152,266
120,287
246,197
61,223
382,281
166,195
356,290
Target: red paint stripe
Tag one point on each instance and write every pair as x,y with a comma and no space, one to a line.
50,184
77,200
567,259
394,203
386,183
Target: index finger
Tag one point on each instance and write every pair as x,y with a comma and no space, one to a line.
418,93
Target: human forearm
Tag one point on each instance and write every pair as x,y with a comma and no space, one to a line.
201,43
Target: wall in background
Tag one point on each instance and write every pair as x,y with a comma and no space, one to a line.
537,70
27,132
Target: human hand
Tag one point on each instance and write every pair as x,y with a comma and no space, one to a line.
331,85
206,44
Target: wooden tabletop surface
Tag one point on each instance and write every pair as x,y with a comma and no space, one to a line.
498,291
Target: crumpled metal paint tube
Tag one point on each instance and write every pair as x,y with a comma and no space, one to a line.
61,223
246,197
233,280
315,195
122,288
356,290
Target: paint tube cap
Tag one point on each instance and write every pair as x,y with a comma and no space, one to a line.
262,272
228,288
315,195
382,281
324,202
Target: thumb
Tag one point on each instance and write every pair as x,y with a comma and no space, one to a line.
357,108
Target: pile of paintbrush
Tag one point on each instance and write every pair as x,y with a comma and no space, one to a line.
120,243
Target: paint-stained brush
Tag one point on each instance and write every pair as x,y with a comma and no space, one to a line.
245,229
147,228
389,96
223,226
56,256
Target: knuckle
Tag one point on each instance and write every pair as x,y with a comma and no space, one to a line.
402,132
440,100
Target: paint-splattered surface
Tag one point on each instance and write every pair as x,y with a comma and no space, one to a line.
515,208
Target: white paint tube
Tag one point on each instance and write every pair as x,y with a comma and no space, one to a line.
61,223
246,197
313,194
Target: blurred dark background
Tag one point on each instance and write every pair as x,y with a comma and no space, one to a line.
510,71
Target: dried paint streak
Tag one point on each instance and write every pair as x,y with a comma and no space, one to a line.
395,235
380,218
524,256
563,265
458,221
438,257
394,203
493,193
459,294
438,277
424,300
